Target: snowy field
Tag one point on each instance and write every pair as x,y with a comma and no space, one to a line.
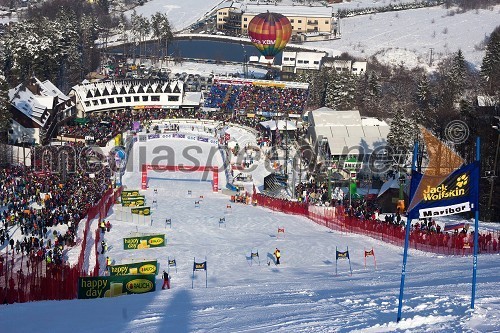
407,37
303,294
181,14
402,37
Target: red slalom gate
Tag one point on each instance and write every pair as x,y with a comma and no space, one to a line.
200,168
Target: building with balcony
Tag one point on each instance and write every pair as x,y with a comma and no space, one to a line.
346,66
309,23
294,63
38,110
129,94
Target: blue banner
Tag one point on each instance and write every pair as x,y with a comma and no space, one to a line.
342,255
200,266
457,193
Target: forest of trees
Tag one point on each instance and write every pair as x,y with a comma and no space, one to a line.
56,41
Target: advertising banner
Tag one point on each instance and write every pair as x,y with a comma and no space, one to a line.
136,268
112,286
130,193
145,211
457,193
144,242
133,201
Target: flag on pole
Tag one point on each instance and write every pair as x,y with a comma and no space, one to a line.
371,253
342,255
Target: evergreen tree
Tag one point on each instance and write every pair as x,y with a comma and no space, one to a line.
401,132
316,82
161,30
340,91
425,114
491,64
5,114
374,86
371,94
458,74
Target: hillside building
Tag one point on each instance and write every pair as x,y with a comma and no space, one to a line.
38,109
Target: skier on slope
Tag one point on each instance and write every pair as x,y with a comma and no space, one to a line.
108,264
277,254
166,281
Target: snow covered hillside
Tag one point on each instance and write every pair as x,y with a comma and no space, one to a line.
303,294
407,37
402,37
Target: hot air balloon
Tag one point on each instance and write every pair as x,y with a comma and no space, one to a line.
270,32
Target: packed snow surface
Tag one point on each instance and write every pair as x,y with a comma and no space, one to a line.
303,294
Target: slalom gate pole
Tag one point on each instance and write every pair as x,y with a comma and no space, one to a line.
364,253
336,260
192,280
407,241
206,273
476,230
349,257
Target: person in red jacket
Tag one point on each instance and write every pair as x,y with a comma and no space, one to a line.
166,281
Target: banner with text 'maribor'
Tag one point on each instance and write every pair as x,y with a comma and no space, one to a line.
457,193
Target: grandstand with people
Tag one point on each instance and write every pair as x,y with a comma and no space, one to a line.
257,97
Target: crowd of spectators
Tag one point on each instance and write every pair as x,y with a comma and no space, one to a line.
36,200
103,127
256,99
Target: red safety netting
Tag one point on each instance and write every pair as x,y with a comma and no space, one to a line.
26,278
335,218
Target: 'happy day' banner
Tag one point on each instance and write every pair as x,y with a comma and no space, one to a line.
133,201
143,242
112,286
136,268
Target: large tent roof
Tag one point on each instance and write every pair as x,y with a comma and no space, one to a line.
281,124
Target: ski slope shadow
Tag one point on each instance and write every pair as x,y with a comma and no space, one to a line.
270,258
177,316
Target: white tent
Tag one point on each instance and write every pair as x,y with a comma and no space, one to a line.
282,125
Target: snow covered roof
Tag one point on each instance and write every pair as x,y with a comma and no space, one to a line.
35,99
192,98
229,4
50,89
328,117
486,101
391,183
282,125
346,132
